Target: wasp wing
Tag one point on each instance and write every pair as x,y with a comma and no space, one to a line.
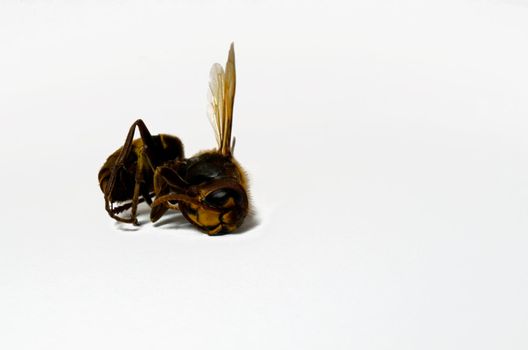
216,100
222,85
229,100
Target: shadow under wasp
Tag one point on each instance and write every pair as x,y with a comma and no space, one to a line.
210,188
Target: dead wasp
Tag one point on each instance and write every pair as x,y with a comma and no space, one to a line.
210,188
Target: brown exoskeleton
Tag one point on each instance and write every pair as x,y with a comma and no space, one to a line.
210,188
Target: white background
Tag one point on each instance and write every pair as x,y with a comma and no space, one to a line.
387,147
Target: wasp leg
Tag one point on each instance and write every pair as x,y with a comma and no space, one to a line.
137,188
160,188
146,137
144,191
166,180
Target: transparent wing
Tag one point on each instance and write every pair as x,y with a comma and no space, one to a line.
215,98
221,97
229,100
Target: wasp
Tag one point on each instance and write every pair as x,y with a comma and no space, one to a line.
209,189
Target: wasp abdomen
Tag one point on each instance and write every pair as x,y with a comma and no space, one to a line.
140,162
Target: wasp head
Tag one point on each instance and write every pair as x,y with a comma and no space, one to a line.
219,207
208,190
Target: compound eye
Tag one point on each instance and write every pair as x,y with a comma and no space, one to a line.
223,198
